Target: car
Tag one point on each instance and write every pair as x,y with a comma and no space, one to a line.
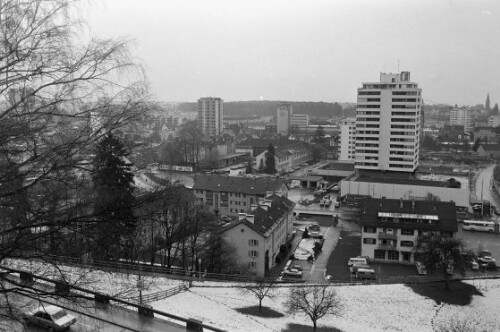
337,204
366,274
328,203
322,202
357,261
354,268
421,270
293,272
485,260
296,266
50,317
473,265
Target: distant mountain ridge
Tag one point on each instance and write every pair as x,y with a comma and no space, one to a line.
268,108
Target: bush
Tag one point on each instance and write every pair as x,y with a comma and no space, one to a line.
305,235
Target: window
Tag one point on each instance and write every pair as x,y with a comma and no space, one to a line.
407,232
368,229
243,230
379,254
253,253
393,255
406,243
252,264
253,242
368,240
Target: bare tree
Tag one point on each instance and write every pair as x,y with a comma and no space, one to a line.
314,301
261,288
58,96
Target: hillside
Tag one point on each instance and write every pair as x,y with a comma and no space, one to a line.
268,107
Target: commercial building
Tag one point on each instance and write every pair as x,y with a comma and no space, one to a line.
283,115
462,117
299,120
388,120
210,115
230,195
391,227
258,233
347,139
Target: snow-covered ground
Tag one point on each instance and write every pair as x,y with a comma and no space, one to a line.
366,308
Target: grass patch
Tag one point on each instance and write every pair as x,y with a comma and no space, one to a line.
306,328
459,293
266,312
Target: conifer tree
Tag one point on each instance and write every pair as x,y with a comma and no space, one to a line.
270,163
114,200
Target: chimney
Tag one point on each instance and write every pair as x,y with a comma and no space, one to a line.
253,207
241,216
251,218
401,203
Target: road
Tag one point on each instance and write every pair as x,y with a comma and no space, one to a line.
483,186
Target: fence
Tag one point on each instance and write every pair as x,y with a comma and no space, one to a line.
148,298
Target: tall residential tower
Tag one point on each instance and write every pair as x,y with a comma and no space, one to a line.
388,129
210,115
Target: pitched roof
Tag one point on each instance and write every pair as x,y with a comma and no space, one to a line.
445,211
246,185
264,219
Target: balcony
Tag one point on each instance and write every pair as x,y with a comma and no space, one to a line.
387,236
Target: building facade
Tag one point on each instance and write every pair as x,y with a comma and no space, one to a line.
347,139
283,115
391,228
494,121
258,234
462,117
299,120
388,117
210,115
230,195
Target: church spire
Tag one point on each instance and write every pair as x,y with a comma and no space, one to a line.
487,104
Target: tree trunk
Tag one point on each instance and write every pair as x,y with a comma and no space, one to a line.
260,305
314,325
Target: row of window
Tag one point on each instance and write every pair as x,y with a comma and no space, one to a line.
367,106
405,100
367,125
368,132
400,166
369,93
367,145
402,127
405,106
367,119
403,113
368,240
367,112
403,120
399,139
371,229
405,93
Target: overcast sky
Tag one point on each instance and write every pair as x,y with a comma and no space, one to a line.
308,50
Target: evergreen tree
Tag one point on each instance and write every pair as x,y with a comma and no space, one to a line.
487,103
249,169
270,163
114,200
495,110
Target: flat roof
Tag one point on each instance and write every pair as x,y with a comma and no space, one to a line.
405,181
339,166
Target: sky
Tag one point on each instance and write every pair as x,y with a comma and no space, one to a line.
295,50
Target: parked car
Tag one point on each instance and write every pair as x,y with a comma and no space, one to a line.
326,197
322,202
354,269
295,266
366,274
485,260
293,272
473,265
357,261
328,203
337,203
50,317
421,270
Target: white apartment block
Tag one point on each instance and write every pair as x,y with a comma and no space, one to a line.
388,117
462,117
283,115
347,139
210,115
299,120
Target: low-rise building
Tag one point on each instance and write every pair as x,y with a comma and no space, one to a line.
485,134
230,195
489,150
258,234
391,227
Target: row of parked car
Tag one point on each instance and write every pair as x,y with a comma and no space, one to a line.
360,269
483,260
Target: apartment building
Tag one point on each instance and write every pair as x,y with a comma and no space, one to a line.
210,115
392,227
462,117
230,195
283,116
388,120
258,233
494,121
299,120
347,139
